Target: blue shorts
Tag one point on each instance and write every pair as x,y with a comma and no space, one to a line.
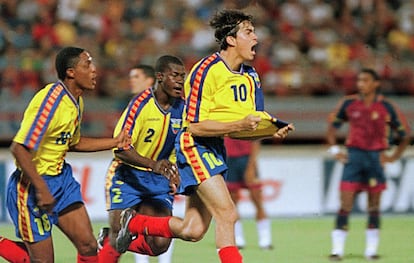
237,168
198,158
363,171
128,187
33,224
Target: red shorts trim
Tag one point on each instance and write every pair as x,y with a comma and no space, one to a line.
359,187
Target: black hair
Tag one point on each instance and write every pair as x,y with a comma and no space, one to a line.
371,72
67,57
163,62
226,23
147,69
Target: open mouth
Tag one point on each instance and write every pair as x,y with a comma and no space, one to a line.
178,89
254,48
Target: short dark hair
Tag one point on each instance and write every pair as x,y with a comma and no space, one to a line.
67,57
146,69
226,23
163,62
371,72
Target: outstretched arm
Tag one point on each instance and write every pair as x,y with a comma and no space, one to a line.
87,144
210,128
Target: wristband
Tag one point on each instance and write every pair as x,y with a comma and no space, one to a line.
334,150
280,124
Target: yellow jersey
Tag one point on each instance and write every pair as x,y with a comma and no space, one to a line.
50,125
213,91
152,129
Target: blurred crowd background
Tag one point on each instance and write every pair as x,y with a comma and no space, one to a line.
310,48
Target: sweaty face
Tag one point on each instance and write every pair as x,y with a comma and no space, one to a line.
173,80
246,40
85,72
366,84
138,81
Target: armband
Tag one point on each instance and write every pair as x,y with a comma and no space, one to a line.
334,150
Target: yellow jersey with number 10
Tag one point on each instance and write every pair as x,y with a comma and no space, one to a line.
213,91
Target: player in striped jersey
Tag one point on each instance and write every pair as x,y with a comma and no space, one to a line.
146,177
218,85
42,191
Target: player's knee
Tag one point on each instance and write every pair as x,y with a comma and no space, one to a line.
159,248
87,247
229,215
193,233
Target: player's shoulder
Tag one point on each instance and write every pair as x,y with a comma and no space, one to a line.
348,99
387,102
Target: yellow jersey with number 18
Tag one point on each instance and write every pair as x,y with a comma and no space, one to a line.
213,91
50,125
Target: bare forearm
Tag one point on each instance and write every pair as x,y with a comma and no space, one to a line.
87,144
331,135
401,148
210,128
132,157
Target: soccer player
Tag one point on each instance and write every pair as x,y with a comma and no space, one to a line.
218,83
242,174
371,117
145,176
141,77
42,191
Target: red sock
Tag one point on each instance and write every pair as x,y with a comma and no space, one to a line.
230,254
13,251
108,254
87,259
139,245
151,226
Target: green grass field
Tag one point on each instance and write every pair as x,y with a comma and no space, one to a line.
296,240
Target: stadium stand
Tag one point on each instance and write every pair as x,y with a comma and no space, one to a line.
310,50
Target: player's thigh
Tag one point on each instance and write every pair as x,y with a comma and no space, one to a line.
75,223
216,198
153,209
41,251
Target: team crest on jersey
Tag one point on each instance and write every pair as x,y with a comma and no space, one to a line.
175,125
374,115
256,79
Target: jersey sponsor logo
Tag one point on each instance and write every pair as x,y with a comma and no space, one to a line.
256,79
175,125
64,138
356,114
153,119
